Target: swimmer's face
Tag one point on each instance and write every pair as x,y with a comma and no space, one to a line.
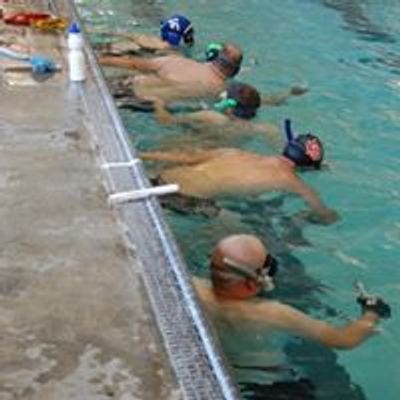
254,278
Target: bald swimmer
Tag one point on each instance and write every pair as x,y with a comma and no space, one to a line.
174,77
241,268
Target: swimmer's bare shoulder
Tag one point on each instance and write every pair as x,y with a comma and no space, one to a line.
264,311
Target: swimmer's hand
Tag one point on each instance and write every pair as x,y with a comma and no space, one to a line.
325,216
162,114
298,90
374,304
328,216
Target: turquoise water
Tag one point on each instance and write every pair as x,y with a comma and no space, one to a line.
348,53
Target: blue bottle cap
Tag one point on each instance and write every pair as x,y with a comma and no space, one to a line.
74,28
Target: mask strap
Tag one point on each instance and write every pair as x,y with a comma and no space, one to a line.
223,61
264,279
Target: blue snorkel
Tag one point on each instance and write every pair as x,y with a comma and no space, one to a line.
303,150
288,130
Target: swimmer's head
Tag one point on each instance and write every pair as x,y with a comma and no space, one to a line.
241,267
243,100
304,150
175,29
229,59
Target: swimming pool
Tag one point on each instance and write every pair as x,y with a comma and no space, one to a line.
347,52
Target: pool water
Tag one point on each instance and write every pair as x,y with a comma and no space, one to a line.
348,53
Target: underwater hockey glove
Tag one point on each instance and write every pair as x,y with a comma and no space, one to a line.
374,304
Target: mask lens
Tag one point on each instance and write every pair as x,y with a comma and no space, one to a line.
270,265
188,38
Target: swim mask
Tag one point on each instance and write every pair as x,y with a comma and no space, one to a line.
176,28
212,51
304,150
243,99
263,275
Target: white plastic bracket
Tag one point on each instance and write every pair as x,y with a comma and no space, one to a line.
141,194
125,164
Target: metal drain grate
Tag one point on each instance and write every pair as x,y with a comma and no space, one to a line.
191,347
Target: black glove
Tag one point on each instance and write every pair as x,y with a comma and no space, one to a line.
376,305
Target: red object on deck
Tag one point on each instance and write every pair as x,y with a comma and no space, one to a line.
25,18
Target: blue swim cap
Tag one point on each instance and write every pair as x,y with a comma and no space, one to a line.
304,150
176,28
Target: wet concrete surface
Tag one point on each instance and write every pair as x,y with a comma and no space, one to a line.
74,319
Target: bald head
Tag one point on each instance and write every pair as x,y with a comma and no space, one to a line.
233,52
246,250
229,59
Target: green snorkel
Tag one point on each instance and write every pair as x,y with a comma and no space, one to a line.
225,104
213,50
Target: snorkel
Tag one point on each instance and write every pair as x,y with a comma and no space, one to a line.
288,130
225,103
242,99
212,51
304,150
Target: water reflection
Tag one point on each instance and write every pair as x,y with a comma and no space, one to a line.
357,20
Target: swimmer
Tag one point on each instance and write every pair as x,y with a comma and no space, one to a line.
175,31
174,77
228,171
276,99
241,268
232,114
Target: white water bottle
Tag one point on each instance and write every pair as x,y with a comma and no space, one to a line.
76,56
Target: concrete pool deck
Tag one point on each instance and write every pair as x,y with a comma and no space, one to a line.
75,322
96,301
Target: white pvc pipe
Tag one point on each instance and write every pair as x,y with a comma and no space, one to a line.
140,194
109,165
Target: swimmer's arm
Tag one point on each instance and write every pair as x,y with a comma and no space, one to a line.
149,42
206,117
138,63
191,157
278,99
269,130
323,213
289,319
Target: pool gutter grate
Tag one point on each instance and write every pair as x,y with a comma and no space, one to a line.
191,346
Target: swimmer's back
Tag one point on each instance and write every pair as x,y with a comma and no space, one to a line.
182,70
231,171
